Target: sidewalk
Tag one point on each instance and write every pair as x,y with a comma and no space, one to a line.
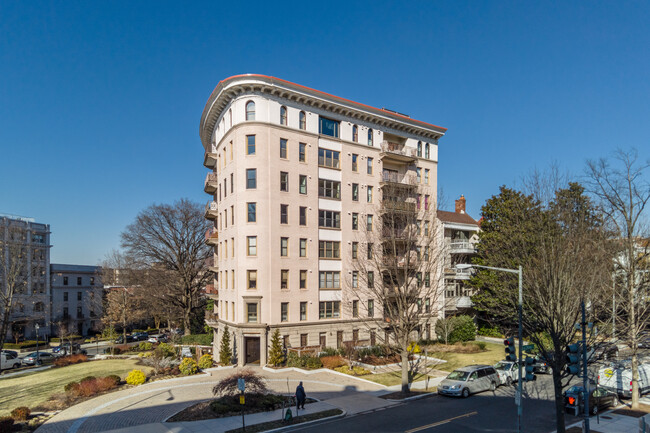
611,422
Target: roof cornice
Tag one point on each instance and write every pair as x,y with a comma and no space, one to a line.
232,87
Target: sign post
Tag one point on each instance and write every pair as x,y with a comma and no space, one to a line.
241,385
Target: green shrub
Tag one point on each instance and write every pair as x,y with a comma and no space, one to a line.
136,377
21,413
490,331
206,361
6,423
200,339
24,344
378,350
356,371
165,350
276,354
225,352
481,344
305,361
145,345
115,350
313,362
188,367
465,329
55,340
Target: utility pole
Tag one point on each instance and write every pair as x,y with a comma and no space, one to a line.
520,381
585,379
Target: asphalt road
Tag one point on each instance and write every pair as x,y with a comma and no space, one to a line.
484,412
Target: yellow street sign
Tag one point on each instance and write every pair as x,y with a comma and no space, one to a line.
241,399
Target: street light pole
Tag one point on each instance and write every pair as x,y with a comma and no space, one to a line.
38,358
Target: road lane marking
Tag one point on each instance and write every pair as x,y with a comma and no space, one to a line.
445,421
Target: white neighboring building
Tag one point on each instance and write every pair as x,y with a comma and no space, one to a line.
77,298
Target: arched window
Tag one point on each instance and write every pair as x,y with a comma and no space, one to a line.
426,150
38,307
303,120
283,115
369,137
230,117
355,133
419,149
250,110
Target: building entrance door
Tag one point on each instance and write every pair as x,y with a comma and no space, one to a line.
252,350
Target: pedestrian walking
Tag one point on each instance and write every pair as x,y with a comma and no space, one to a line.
300,396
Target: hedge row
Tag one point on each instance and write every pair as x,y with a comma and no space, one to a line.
200,339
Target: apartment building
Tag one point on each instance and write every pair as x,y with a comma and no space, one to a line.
460,233
296,176
25,256
77,299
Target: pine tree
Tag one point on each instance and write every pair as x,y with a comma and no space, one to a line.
225,352
276,355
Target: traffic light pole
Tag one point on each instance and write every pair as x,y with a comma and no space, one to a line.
585,379
520,380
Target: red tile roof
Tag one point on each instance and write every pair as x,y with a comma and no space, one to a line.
453,217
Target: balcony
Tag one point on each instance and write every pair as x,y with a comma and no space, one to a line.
211,237
398,206
211,210
461,247
211,183
211,318
398,179
210,159
458,303
397,152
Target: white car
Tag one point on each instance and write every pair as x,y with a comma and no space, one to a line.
508,371
7,360
157,338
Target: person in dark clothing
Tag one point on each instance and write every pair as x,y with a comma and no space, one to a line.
300,396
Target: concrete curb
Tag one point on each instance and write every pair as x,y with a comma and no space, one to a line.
319,370
221,367
415,397
307,423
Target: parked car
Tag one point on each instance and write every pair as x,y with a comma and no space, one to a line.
157,338
140,336
469,380
508,372
599,398
7,360
68,349
541,366
129,339
38,358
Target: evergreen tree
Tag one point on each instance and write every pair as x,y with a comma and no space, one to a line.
225,352
276,354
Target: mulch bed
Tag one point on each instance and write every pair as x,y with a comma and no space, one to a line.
399,395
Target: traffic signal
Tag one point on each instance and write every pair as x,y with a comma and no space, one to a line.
510,349
573,359
530,369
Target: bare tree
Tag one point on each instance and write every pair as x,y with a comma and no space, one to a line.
14,253
398,270
170,238
624,192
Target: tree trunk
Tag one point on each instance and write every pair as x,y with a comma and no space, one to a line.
405,370
635,380
559,401
186,320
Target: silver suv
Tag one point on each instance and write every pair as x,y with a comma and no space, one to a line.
470,380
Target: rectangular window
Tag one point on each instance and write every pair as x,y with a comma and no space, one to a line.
329,219
250,145
284,214
426,202
426,228
419,174
369,223
303,311
369,194
251,178
251,277
79,294
303,279
369,252
303,247
371,308
329,280
303,184
92,281
418,225
251,245
225,188
65,281
283,148
230,145
328,158
284,311
329,189
232,182
284,247
355,221
252,212
427,280
355,279
369,166
426,176
329,310
78,281
328,127
284,279
427,305
329,249
303,215
284,181
65,295
355,192
355,308
355,250
302,152
251,312
371,279
355,166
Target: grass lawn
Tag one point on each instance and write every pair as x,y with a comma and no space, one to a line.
30,389
493,353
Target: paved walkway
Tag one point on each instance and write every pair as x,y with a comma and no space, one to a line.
143,409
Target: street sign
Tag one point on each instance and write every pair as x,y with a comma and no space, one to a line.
528,347
241,399
517,398
241,385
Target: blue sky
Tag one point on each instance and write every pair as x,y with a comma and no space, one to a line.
100,101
